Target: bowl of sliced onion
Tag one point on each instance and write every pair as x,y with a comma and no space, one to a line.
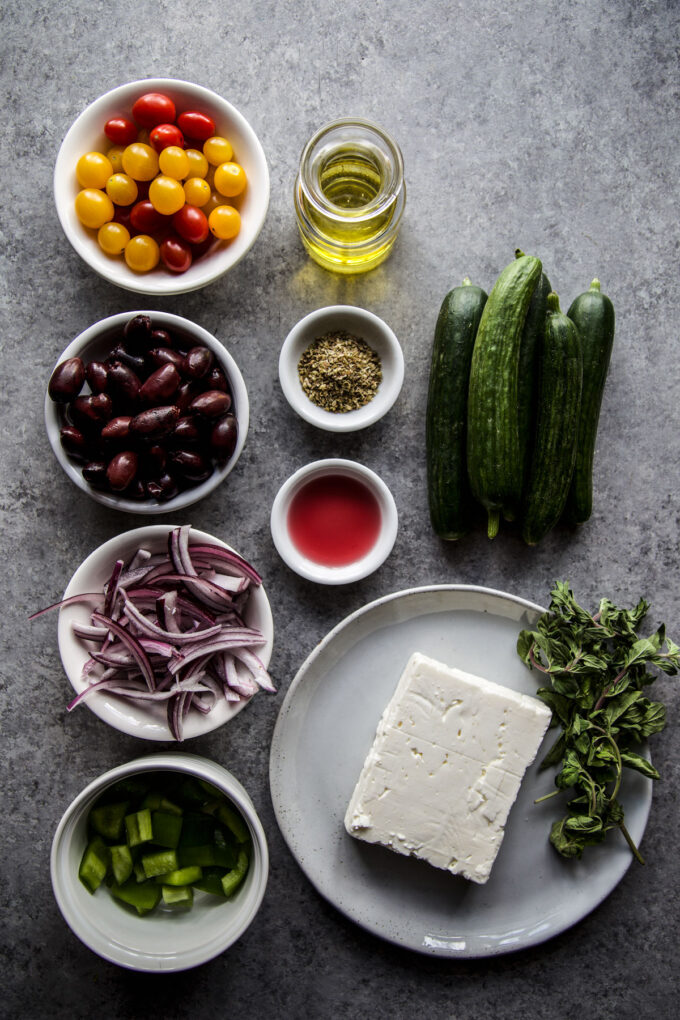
165,633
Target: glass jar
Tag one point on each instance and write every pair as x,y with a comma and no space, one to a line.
350,195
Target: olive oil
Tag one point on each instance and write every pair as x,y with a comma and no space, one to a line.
350,196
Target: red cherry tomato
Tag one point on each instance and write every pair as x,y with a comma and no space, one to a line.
145,219
122,214
199,250
164,135
176,254
120,131
153,108
198,126
191,223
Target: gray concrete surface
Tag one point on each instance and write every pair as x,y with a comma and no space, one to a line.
553,126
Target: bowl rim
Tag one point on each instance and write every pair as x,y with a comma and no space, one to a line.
392,362
170,284
241,404
61,875
320,573
126,720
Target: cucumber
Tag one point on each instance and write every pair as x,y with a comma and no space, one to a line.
448,488
527,380
559,399
494,456
593,315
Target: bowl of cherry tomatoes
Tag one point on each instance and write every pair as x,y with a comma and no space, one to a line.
161,186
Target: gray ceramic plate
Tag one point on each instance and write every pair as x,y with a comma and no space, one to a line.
324,730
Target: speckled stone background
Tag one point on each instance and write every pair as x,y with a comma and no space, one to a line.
553,126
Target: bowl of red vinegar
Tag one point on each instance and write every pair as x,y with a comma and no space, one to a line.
334,521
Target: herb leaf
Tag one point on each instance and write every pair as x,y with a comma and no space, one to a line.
594,668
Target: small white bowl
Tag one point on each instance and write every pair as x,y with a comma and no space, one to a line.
95,344
377,335
158,942
309,568
145,720
87,134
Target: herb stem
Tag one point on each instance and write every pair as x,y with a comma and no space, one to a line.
629,840
535,663
546,796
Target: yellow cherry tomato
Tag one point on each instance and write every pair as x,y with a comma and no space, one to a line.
197,191
212,203
224,222
173,162
93,208
230,179
121,189
140,161
115,157
198,164
142,253
113,237
93,170
217,150
166,195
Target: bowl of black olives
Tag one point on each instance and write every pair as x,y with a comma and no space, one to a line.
146,412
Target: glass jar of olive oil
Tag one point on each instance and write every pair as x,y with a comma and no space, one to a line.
350,195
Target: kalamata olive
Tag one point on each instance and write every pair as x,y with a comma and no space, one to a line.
186,393
152,462
163,488
94,474
137,490
156,422
133,361
137,333
211,404
97,375
217,380
123,383
75,443
160,386
118,428
161,338
187,430
93,410
121,470
67,380
197,363
223,437
165,355
190,464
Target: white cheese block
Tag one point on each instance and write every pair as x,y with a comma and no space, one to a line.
445,767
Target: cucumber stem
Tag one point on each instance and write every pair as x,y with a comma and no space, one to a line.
519,253
467,282
553,302
494,523
595,285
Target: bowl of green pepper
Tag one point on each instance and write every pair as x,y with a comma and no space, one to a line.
160,864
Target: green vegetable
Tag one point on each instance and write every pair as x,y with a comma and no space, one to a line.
527,380
448,487
559,398
494,456
597,668
593,315
174,827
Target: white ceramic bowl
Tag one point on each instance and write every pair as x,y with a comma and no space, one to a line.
87,134
144,719
309,568
157,942
95,343
377,335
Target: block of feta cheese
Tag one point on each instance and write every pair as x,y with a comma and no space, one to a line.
445,767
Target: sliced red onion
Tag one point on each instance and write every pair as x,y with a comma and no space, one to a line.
169,628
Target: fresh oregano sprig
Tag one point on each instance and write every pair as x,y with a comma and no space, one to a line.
597,668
